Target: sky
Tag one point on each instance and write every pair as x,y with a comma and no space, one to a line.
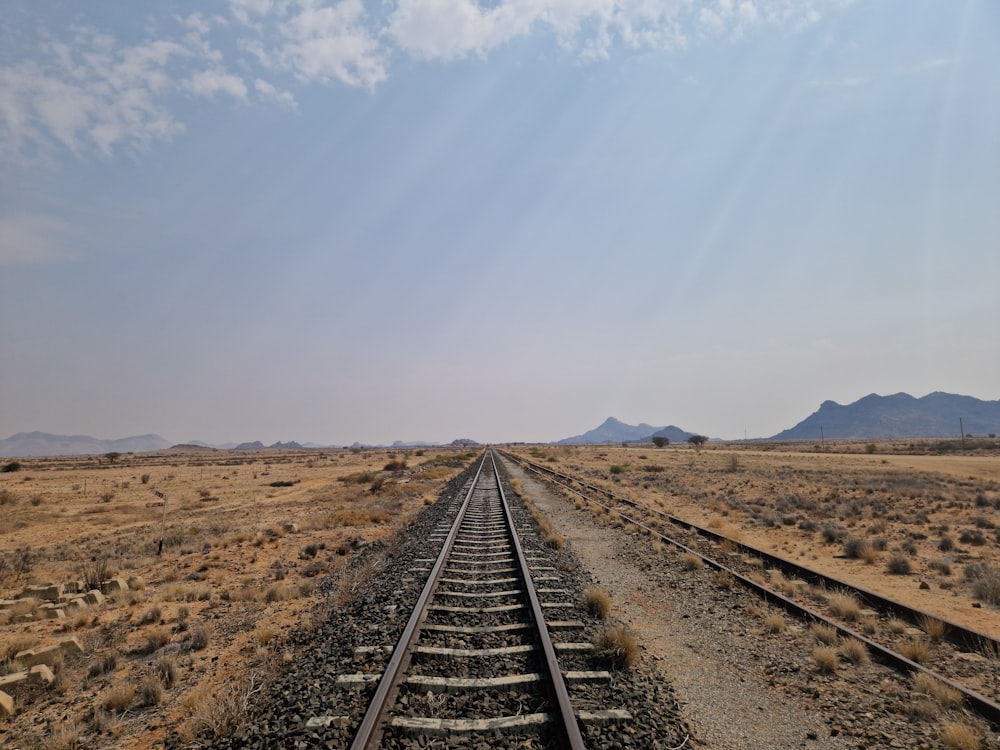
342,220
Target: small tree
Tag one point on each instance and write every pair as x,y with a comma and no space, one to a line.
112,456
697,440
659,441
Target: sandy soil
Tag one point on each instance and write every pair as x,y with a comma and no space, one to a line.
246,536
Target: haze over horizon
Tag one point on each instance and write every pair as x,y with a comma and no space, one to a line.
333,221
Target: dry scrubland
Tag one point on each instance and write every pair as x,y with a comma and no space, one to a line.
890,517
246,538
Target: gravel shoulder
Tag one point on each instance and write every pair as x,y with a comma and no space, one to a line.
741,687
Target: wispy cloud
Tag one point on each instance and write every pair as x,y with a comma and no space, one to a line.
85,90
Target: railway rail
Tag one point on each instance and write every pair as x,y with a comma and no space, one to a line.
706,545
479,592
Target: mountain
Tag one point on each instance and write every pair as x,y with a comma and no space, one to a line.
291,445
613,431
899,415
672,433
256,445
44,444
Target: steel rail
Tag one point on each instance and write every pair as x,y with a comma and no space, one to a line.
981,705
567,732
370,731
571,738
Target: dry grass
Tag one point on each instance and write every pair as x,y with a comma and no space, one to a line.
826,634
597,601
917,651
617,647
935,628
691,561
149,691
118,698
844,606
775,623
958,736
854,651
723,579
825,659
932,687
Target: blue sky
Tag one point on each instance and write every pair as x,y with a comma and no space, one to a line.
428,219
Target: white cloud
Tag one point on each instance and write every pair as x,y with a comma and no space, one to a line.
208,83
90,91
269,91
34,239
449,29
324,42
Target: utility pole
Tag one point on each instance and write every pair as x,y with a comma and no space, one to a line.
962,428
163,526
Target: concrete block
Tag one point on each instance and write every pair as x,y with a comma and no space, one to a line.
6,705
74,604
114,586
290,527
48,655
40,674
52,612
94,597
71,646
7,603
50,592
74,587
12,680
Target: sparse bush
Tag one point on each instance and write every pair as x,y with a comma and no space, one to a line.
899,565
918,651
118,698
597,601
985,581
107,662
144,478
691,561
616,469
150,691
723,579
9,467
934,627
825,659
831,533
617,647
845,606
958,736
824,633
151,616
199,638
858,549
774,623
933,687
854,651
166,669
975,537
394,466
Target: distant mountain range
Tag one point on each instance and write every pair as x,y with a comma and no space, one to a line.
44,444
898,416
615,431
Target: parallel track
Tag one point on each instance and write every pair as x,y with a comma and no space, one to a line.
961,637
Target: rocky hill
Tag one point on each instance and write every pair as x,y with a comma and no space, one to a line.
25,444
899,415
615,431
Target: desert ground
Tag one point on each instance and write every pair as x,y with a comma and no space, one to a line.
248,537
843,511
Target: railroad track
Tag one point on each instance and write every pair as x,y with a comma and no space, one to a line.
956,661
478,654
